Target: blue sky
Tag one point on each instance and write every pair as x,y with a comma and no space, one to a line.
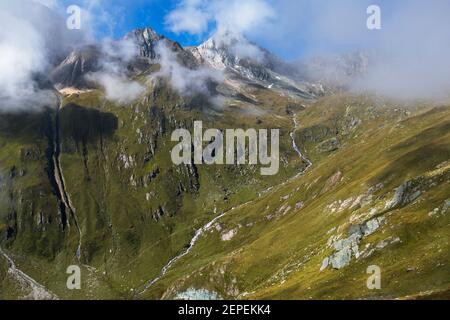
411,50
127,15
297,28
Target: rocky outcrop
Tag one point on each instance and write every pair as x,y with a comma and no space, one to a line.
197,294
158,213
146,40
346,249
404,194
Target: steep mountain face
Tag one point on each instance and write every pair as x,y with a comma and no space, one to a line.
244,61
235,52
72,70
146,40
363,181
92,182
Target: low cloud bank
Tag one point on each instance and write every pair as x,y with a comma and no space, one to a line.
409,55
32,37
118,88
116,55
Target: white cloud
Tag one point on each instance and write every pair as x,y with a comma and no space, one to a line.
190,16
184,80
230,21
195,16
241,16
238,45
96,16
118,53
412,49
118,87
24,54
112,77
53,4
20,56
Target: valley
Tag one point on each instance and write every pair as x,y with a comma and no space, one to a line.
363,180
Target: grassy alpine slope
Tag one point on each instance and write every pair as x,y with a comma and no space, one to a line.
134,208
136,211
280,241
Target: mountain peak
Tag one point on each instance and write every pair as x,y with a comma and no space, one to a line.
146,39
146,33
225,50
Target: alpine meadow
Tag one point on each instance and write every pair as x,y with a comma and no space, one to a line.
224,150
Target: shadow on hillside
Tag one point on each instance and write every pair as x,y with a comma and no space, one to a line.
86,125
416,155
25,126
82,124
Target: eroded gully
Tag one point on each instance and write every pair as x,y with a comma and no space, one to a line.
66,205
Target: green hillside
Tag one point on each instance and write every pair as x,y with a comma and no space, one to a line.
379,167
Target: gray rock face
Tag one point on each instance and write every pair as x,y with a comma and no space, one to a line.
70,72
226,50
341,258
404,194
146,39
240,59
346,249
398,196
371,226
197,294
325,264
